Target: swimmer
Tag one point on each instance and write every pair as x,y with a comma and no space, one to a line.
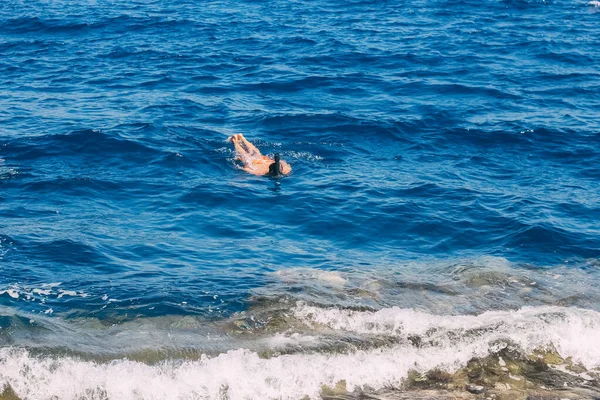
254,162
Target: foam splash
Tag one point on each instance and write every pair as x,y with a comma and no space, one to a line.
281,341
11,292
6,172
447,343
573,332
40,294
71,293
304,155
237,374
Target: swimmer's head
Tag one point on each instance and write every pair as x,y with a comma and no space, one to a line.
275,168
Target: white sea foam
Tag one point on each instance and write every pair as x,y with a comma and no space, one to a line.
449,342
303,155
238,374
42,293
11,292
51,284
573,332
72,293
6,173
295,339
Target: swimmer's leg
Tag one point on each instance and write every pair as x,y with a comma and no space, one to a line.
251,148
234,137
241,153
238,147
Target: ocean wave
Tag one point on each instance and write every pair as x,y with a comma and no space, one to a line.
67,250
452,287
425,343
529,327
36,24
88,141
73,25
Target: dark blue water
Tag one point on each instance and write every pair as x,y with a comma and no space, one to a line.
423,135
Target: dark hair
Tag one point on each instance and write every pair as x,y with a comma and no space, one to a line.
275,168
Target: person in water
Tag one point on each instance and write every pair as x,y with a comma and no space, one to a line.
254,162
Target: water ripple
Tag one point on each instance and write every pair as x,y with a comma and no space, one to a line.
419,134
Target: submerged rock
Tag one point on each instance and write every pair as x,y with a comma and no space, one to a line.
338,390
430,380
509,374
476,389
8,394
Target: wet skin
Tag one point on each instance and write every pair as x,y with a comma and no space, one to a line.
254,162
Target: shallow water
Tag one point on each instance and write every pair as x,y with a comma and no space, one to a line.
445,173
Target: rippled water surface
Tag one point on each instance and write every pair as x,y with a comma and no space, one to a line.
445,162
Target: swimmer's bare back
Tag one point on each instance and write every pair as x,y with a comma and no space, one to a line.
254,162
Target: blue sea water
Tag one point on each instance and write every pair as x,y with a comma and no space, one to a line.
446,161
